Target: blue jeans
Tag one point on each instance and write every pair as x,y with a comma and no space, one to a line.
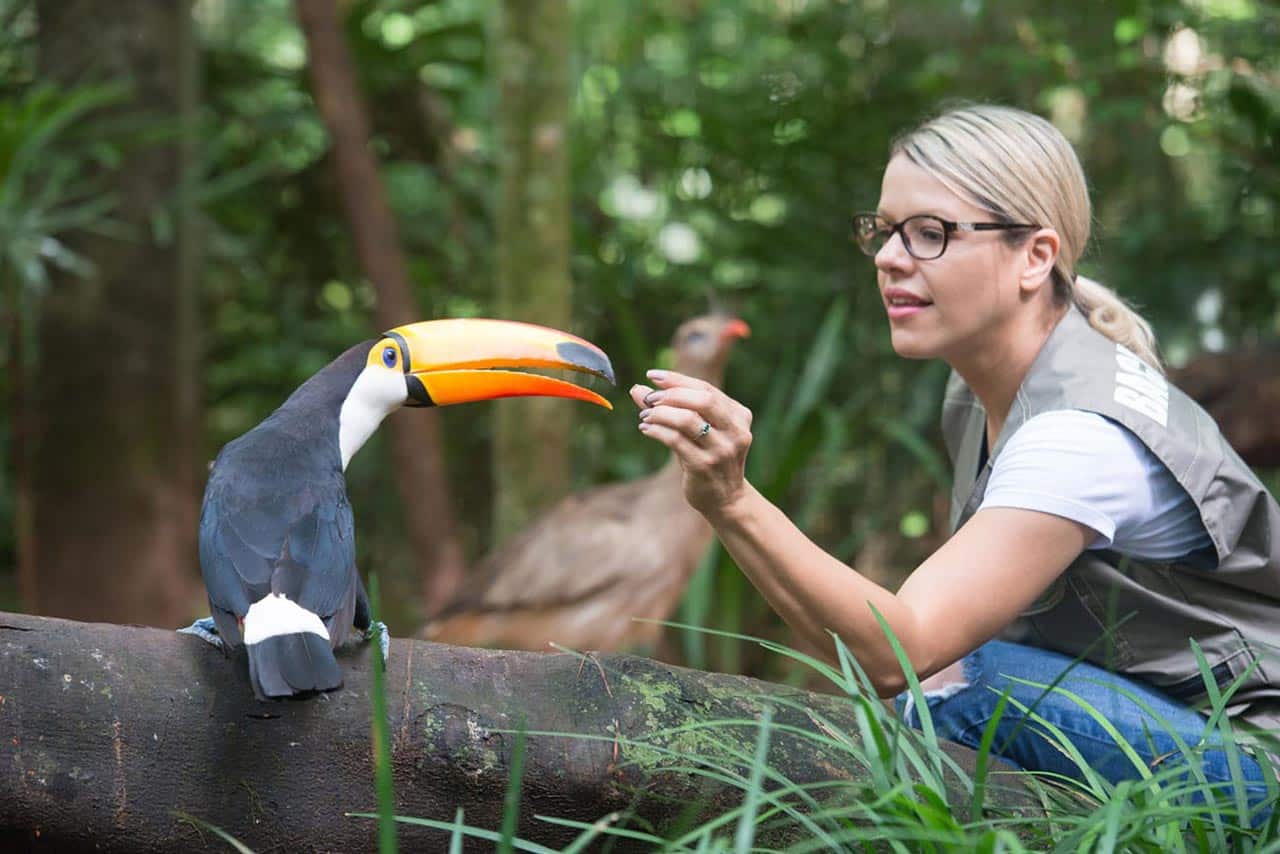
960,713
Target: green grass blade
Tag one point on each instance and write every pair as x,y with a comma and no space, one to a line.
695,606
455,838
453,827
1219,703
745,834
511,801
215,830
381,737
593,830
913,686
819,367
983,764
1122,743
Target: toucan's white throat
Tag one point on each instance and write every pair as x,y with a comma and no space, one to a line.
376,392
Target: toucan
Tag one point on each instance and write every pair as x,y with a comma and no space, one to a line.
277,536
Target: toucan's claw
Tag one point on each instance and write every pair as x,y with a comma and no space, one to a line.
378,629
205,629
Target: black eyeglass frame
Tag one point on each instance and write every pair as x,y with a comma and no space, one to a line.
948,228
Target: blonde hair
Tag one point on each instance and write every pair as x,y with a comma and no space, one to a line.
1021,168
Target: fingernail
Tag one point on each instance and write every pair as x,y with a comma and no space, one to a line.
655,374
644,427
652,398
644,413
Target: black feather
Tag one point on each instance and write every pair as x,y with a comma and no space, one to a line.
276,518
288,665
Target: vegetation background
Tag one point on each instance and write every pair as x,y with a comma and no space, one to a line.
177,247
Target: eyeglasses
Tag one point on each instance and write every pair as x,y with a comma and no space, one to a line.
924,236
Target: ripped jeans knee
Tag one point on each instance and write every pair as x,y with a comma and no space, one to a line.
955,699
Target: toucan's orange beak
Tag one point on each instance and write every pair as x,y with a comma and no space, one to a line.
736,329
458,361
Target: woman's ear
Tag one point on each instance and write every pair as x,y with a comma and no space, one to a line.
1040,253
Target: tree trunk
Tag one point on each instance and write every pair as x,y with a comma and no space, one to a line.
106,731
110,463
531,48
416,443
189,475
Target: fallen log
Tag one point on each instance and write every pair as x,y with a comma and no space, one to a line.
108,734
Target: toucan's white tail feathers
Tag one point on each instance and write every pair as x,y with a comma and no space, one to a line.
289,650
276,614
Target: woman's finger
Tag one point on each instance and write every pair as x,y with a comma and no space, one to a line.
714,405
674,379
687,421
689,398
675,439
638,393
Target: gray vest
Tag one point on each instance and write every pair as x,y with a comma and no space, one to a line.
1227,598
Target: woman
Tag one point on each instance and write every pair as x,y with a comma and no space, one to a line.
1097,512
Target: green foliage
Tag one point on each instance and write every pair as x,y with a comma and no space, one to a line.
718,149
49,143
43,189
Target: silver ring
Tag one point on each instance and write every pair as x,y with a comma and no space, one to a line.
706,428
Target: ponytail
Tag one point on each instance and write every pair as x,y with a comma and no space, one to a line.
1115,319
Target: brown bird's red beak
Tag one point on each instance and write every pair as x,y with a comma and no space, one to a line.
736,329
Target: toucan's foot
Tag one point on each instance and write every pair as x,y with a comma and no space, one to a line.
205,629
378,629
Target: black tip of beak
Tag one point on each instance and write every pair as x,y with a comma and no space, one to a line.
587,359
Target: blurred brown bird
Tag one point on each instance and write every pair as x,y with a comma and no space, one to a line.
579,574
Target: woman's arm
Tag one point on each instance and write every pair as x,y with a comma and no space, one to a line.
962,595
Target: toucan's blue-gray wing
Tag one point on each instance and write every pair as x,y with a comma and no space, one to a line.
260,533
318,569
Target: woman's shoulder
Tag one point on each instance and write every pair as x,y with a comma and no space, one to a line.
1078,434
1087,467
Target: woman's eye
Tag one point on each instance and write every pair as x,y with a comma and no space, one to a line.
389,357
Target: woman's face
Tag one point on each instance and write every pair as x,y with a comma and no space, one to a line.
958,305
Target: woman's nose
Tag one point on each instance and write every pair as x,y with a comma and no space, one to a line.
893,255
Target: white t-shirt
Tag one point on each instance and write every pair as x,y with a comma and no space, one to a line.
1088,468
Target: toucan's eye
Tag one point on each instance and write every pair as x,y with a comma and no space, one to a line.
389,356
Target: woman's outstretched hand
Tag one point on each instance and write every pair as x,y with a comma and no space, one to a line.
708,431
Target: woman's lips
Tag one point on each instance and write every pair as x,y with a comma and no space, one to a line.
901,312
903,304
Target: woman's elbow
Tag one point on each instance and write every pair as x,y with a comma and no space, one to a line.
882,672
888,683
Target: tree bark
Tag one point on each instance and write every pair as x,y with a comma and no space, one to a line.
531,47
109,461
416,444
106,731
